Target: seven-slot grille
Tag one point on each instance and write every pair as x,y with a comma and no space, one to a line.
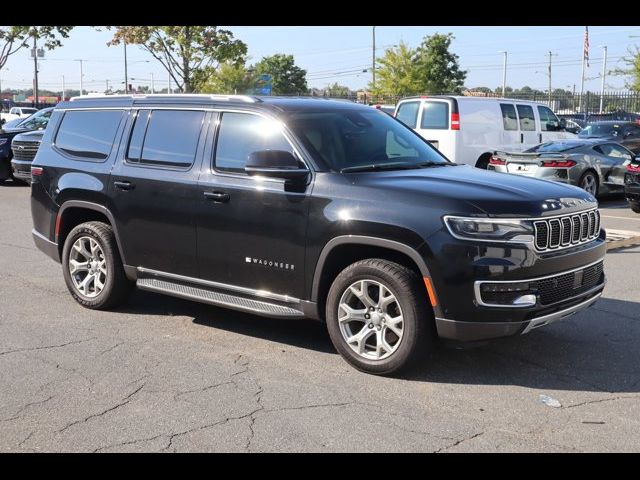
24,150
566,231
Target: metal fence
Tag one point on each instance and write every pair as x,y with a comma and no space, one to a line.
614,105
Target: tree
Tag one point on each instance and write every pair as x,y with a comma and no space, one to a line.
438,68
287,77
229,78
397,75
184,51
633,69
337,90
14,38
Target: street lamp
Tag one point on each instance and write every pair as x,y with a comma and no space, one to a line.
504,72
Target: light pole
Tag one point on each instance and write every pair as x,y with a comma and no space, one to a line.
504,73
169,77
153,90
35,70
373,60
81,74
62,99
126,76
604,75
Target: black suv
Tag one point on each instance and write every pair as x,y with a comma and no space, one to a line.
296,208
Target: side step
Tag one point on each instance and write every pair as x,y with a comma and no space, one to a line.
226,300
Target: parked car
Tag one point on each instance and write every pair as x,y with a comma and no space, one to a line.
389,109
24,147
37,121
13,123
293,208
468,129
18,112
632,184
595,165
624,133
573,125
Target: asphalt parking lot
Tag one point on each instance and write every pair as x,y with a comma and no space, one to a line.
162,374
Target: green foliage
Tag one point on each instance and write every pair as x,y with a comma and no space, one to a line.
288,78
431,68
228,78
632,72
185,51
337,90
397,75
438,68
14,38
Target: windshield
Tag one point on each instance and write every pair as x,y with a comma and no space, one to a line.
351,140
551,147
601,130
37,121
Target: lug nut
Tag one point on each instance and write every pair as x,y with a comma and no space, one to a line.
371,325
379,328
366,315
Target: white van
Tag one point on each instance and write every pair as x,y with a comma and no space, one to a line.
468,129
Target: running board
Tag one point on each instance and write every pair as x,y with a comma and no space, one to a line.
226,300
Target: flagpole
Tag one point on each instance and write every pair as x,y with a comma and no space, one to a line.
581,85
585,55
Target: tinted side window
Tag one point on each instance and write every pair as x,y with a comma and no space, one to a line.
435,115
171,137
88,134
548,119
408,113
241,134
527,119
509,118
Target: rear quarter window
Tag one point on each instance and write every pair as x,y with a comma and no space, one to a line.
408,113
88,135
435,115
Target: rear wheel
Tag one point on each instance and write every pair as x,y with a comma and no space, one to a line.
92,267
378,316
589,183
635,206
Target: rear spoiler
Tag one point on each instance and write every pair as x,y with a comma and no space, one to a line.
531,155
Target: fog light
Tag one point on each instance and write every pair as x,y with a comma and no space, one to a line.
504,287
517,294
528,300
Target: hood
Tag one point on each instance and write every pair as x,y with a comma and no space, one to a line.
495,194
30,136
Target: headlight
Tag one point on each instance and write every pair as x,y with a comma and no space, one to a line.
490,229
3,141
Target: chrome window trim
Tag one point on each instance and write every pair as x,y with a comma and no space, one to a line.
477,284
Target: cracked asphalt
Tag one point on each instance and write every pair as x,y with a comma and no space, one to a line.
162,374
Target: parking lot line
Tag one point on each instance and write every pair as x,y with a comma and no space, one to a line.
621,218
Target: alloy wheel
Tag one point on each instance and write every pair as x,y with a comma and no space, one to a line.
88,267
589,184
370,319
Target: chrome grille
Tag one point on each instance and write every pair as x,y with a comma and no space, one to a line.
566,231
24,150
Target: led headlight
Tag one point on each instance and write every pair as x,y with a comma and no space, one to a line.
490,229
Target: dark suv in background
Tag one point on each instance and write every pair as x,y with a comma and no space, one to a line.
299,208
36,122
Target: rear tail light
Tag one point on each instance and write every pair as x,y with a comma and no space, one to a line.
455,121
37,171
633,168
558,163
496,161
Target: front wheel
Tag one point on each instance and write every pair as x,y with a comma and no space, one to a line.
378,316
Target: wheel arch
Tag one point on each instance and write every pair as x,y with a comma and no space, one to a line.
483,160
342,251
75,212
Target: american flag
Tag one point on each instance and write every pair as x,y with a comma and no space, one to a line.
586,44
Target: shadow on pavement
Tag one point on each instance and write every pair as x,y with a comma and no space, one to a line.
595,350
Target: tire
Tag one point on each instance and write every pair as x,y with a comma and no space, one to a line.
5,169
99,243
483,161
417,328
635,206
589,179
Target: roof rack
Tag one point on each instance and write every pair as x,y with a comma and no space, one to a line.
228,98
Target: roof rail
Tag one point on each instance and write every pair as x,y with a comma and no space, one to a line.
229,98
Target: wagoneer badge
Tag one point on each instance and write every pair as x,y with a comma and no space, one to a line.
269,263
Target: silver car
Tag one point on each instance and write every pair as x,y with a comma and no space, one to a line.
597,166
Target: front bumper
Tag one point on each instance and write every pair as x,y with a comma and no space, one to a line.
21,169
474,331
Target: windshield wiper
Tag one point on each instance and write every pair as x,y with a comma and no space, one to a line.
391,166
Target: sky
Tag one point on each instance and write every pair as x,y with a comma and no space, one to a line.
331,54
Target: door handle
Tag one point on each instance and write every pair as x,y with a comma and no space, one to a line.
123,185
522,138
218,197
540,137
